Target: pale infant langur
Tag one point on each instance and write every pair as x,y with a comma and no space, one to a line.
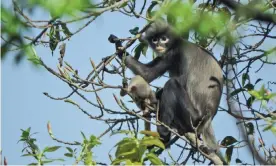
142,95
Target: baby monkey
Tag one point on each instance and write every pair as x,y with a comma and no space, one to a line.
142,95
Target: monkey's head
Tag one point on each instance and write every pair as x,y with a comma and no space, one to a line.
160,36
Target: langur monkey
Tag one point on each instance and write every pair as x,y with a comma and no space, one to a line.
142,95
190,98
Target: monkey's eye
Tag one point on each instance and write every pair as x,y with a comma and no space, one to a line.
164,39
154,40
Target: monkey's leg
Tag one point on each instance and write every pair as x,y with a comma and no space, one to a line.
147,123
146,114
175,109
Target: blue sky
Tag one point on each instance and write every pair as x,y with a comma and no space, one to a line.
24,105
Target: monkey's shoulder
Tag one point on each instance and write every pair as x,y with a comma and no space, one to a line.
199,53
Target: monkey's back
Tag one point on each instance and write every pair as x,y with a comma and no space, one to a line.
203,76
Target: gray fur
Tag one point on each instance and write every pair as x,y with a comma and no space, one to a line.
195,87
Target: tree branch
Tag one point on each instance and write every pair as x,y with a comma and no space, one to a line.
250,12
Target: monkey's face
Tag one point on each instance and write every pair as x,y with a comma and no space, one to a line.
160,43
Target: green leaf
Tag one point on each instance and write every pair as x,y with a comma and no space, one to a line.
154,159
141,48
53,41
228,153
33,164
273,129
226,12
131,154
238,161
258,80
127,147
62,7
235,92
70,101
32,55
144,50
11,26
83,136
171,19
229,140
249,86
133,163
119,161
46,161
51,149
150,141
150,13
25,133
29,154
203,42
51,160
245,77
141,150
206,25
268,127
255,94
134,31
65,29
262,92
250,101
68,154
154,149
205,5
57,34
93,141
69,149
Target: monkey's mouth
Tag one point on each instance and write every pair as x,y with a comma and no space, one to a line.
160,49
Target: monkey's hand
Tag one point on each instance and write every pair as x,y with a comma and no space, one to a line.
113,39
123,92
118,43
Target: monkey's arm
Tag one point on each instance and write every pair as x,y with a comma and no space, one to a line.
149,71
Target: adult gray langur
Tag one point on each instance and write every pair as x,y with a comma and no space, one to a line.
190,98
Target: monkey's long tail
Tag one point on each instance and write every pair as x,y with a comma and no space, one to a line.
210,139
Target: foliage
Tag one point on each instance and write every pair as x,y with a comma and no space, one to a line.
11,29
135,151
85,154
61,7
31,149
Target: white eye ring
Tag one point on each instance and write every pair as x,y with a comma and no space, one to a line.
164,39
154,40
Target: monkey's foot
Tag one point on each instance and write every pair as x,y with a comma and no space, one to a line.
206,149
146,114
